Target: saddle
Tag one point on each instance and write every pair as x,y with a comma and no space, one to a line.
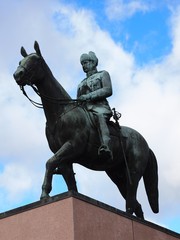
114,129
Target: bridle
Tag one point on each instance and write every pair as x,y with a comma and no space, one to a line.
51,99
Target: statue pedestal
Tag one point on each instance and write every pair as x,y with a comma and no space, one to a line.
72,216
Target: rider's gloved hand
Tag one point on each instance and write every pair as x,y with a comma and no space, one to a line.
84,97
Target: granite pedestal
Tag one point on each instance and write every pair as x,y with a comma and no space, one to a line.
73,216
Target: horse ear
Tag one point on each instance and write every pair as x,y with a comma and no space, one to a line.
23,52
36,47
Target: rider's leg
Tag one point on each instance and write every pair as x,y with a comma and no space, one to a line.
105,148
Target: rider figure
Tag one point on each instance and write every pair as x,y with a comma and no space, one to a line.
94,89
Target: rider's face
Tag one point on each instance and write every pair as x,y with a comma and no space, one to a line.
87,65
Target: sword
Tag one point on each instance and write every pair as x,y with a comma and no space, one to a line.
116,117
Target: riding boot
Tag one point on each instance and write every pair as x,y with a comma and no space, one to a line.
104,150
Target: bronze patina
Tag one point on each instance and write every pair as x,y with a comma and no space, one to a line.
74,138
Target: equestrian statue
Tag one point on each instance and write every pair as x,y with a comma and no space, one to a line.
80,131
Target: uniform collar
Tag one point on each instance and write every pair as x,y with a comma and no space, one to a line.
90,73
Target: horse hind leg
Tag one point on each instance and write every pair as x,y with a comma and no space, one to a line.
138,210
132,205
121,181
66,170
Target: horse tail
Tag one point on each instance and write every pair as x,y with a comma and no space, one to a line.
151,182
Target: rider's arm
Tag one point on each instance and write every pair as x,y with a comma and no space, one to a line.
105,90
101,90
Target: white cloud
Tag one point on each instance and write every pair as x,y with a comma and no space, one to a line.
120,9
13,180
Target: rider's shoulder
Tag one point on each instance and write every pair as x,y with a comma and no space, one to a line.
103,72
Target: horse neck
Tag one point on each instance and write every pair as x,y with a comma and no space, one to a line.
51,88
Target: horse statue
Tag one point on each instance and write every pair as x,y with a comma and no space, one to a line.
73,138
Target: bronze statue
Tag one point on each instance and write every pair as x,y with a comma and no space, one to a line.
74,138
94,90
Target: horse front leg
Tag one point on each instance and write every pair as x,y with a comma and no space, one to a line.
47,183
59,161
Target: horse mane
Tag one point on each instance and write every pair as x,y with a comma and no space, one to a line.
60,90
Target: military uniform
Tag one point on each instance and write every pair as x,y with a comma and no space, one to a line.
96,88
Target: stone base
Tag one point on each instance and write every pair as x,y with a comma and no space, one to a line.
72,216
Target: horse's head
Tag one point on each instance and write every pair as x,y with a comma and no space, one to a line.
29,70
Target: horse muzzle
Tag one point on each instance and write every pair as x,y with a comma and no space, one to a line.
19,77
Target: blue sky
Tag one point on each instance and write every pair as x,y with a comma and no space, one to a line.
146,33
138,43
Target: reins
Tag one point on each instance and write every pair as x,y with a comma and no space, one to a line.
54,100
36,104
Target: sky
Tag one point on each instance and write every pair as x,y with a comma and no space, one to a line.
138,43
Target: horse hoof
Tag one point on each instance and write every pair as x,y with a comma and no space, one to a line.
129,211
44,196
141,218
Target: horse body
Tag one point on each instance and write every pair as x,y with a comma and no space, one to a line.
73,139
